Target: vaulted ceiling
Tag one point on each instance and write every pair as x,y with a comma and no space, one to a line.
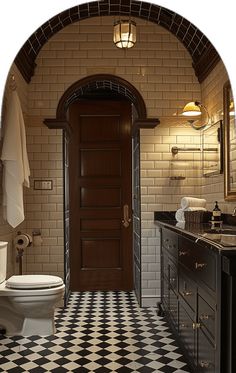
203,53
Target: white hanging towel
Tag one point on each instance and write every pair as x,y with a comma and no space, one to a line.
16,169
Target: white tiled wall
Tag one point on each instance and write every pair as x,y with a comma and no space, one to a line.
161,70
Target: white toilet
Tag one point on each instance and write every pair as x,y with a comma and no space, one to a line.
27,302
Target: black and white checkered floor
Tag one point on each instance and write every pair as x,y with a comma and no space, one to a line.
98,332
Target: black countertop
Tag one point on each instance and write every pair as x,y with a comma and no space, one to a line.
201,232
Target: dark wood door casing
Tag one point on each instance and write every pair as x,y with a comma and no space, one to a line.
100,186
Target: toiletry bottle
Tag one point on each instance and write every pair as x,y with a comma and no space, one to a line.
216,212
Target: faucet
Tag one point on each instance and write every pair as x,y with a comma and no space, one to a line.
234,212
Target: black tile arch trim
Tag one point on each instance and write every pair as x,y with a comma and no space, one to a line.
103,332
203,54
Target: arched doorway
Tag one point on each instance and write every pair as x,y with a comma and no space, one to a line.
109,88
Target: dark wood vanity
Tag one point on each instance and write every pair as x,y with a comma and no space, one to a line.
198,296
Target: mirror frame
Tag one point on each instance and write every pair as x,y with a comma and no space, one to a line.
229,194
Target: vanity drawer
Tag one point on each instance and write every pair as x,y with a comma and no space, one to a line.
206,317
200,260
170,242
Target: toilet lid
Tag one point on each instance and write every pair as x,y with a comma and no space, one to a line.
33,281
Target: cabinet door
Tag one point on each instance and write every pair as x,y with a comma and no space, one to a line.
200,260
165,293
173,276
206,317
174,309
187,332
206,354
170,242
187,290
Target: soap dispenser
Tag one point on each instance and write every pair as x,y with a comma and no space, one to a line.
216,216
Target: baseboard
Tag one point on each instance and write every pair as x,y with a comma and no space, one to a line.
150,300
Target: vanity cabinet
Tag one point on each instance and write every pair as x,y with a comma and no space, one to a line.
191,298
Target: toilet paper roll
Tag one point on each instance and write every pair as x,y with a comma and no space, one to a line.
22,241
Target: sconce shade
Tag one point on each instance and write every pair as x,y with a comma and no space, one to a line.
192,109
231,108
124,33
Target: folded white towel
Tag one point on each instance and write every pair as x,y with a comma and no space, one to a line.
192,202
15,160
179,215
180,224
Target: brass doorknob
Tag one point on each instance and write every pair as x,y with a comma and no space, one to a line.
126,219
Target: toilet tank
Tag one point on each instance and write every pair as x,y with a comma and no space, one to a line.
3,261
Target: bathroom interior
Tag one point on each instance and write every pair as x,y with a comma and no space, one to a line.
72,58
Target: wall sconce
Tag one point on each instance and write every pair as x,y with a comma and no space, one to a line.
194,109
124,33
231,109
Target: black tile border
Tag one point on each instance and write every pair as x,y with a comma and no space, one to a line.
203,54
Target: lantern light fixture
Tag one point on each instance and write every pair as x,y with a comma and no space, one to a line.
124,33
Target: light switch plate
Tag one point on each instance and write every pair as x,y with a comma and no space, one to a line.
43,185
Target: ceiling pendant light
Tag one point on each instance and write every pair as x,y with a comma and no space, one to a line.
124,33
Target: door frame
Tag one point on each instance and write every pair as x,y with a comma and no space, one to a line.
124,89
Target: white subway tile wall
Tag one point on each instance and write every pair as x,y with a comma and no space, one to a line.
161,70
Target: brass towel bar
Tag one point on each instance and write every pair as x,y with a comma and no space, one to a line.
175,150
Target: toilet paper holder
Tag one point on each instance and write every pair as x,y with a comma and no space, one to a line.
21,241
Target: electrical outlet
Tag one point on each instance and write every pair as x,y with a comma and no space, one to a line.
43,185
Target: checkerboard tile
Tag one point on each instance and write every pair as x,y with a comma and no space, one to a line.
98,332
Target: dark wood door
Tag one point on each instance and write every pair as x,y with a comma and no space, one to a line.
100,194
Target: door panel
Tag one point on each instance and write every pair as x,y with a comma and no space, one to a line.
100,197
100,186
101,162
98,253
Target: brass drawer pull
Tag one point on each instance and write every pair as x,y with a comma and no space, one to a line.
187,293
173,279
196,325
184,325
182,253
204,364
205,317
200,265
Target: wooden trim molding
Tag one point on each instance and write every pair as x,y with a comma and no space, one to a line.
145,123
92,83
55,123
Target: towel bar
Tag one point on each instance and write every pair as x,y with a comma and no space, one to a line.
176,150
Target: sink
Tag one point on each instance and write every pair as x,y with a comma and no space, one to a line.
228,232
226,237
222,232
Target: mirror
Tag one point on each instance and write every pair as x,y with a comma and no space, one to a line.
212,149
229,144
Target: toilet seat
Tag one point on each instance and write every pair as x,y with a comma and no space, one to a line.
33,282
